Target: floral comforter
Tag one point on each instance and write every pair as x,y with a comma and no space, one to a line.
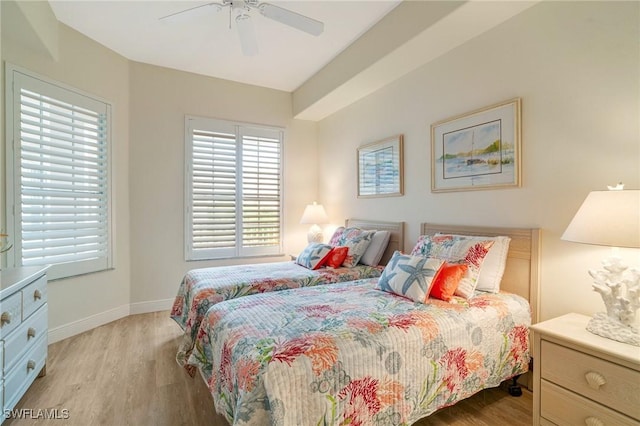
351,354
202,288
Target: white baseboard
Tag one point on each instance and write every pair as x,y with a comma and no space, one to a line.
80,326
152,306
76,327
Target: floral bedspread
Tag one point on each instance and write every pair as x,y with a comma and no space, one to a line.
351,354
202,288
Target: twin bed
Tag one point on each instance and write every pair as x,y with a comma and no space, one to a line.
202,288
348,353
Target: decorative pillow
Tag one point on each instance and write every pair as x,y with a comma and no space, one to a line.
446,282
357,240
409,276
337,256
376,248
494,263
314,255
335,238
455,250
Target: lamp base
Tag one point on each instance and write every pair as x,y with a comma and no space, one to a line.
604,326
315,234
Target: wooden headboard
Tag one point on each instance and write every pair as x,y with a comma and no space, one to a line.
396,229
521,275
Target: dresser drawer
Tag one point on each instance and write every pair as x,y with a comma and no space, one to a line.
24,373
607,383
11,314
33,296
565,408
25,337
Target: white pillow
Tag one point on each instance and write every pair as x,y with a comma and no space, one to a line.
376,248
494,263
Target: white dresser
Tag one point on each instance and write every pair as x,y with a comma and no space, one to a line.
581,378
23,331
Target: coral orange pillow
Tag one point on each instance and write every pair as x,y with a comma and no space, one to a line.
446,280
337,255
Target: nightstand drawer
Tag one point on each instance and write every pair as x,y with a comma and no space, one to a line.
11,314
25,337
33,296
607,383
565,408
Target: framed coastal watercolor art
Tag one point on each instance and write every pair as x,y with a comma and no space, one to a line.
380,168
477,150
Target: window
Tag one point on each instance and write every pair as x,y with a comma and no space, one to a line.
58,180
233,189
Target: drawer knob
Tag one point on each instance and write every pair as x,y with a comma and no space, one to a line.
595,380
37,295
5,318
31,365
593,421
31,332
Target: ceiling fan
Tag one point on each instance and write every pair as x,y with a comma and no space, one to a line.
240,11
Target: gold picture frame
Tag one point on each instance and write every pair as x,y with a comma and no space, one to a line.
477,150
381,168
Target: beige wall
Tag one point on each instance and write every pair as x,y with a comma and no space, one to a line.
576,66
90,67
160,99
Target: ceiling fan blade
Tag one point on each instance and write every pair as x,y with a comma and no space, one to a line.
293,19
185,15
247,35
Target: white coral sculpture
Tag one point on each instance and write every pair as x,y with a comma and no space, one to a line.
611,282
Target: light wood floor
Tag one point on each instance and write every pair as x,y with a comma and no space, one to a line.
124,373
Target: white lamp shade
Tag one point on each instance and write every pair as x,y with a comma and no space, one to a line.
607,218
314,214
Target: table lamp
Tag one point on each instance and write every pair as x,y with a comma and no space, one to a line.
314,215
612,218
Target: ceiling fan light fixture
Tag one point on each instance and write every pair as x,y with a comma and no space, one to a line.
239,7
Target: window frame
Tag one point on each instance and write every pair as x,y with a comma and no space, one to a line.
15,79
239,130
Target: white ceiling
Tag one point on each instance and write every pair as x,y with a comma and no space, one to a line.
204,44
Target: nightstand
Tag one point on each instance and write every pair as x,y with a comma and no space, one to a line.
581,378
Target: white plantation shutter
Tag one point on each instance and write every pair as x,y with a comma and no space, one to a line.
233,189
214,192
260,192
60,164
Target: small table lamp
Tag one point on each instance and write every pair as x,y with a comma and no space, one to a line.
612,218
313,215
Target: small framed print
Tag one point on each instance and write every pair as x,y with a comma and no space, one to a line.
380,168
